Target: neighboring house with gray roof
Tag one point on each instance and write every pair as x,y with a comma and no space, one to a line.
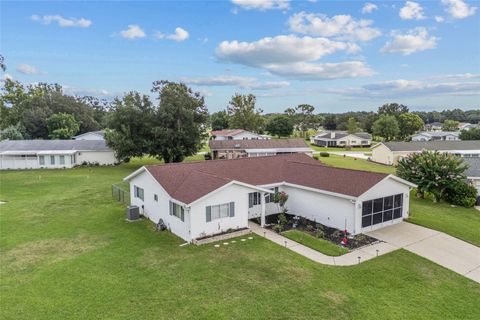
341,139
391,152
436,135
473,174
53,154
233,149
92,135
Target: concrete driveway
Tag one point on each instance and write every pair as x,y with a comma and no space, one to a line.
445,250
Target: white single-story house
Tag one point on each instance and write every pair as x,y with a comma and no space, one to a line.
391,152
434,126
341,139
53,154
92,135
236,134
200,199
233,149
467,126
436,136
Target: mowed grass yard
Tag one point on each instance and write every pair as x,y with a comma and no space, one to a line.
68,253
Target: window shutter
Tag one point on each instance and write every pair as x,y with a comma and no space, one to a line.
232,209
182,214
250,200
209,213
171,207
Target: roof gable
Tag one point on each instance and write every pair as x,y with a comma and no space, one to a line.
257,144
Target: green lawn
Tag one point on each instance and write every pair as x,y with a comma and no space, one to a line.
66,252
321,245
462,223
357,164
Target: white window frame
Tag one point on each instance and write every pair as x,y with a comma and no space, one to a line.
139,193
41,160
62,160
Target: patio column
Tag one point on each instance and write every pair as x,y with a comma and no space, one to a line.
262,214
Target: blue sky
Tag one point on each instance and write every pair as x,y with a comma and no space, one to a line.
335,55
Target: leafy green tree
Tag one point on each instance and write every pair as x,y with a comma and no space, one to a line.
180,122
219,120
472,134
409,124
12,133
243,114
392,109
280,125
352,125
62,126
330,123
368,121
432,171
450,125
461,194
130,124
306,119
386,127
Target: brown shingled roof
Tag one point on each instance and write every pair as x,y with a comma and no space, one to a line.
190,181
257,144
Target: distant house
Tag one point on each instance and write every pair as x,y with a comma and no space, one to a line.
342,139
52,154
434,126
436,135
233,149
92,135
200,199
473,174
391,152
236,134
466,126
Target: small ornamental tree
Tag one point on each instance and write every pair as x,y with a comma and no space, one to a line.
281,199
432,171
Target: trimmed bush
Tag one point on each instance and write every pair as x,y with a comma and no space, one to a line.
315,156
207,156
324,154
461,194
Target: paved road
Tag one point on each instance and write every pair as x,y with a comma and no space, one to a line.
447,251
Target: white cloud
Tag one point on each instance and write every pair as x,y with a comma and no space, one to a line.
179,35
458,9
458,76
27,69
411,11
413,41
439,18
133,31
262,4
294,57
238,81
403,88
322,71
369,7
7,76
281,49
340,26
63,22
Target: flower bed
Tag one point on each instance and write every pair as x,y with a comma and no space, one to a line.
317,230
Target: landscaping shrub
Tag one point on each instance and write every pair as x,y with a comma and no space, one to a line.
277,228
319,233
207,156
282,220
461,194
324,154
309,228
316,157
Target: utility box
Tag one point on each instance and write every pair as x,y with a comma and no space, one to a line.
133,213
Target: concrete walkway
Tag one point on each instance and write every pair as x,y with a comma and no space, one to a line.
348,259
447,251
